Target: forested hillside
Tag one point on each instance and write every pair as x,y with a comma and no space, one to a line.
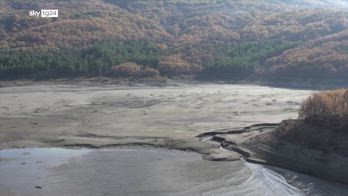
211,39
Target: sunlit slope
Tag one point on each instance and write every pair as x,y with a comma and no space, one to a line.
212,38
80,23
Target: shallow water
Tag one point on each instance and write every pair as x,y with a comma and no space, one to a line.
145,171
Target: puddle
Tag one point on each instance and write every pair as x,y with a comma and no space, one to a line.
24,170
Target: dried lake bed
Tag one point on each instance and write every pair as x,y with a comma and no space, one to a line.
52,115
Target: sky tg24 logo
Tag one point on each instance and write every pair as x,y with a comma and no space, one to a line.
47,13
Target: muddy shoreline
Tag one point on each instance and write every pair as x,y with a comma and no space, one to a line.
220,150
95,116
215,120
145,171
219,145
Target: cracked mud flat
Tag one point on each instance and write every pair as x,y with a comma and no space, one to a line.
42,115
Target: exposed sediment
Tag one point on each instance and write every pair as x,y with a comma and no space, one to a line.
96,116
204,118
293,145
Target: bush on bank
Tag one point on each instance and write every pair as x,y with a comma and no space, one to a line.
130,69
326,108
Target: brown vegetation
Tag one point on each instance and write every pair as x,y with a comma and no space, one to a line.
130,69
192,34
176,65
326,57
159,21
80,24
327,108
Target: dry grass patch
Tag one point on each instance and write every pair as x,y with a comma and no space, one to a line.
326,108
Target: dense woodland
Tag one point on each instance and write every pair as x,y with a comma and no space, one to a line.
96,60
211,39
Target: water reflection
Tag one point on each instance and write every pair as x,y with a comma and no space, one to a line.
145,171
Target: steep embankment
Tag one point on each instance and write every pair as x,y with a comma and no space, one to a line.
292,145
303,147
315,144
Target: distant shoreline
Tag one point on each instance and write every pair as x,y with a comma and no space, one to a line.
162,81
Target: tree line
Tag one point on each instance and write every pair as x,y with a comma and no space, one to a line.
229,60
244,58
97,59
